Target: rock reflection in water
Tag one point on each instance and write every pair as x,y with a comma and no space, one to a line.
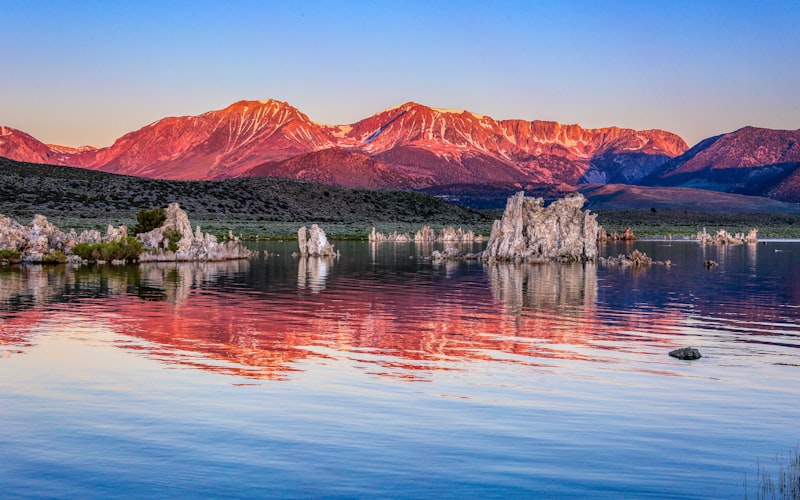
548,287
312,272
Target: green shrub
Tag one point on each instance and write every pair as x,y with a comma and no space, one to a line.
147,220
127,249
9,256
55,257
173,236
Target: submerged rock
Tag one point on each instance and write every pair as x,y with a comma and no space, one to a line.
529,231
687,353
634,259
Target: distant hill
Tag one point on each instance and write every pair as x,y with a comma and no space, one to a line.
752,161
27,188
616,197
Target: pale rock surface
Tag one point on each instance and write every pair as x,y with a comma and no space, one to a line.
115,233
450,252
425,235
635,259
395,237
89,236
12,234
529,231
313,242
35,240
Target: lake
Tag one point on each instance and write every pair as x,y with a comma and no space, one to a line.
382,374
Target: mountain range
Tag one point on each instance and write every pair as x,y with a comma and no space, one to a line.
412,146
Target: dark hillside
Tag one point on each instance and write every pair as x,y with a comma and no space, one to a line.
68,192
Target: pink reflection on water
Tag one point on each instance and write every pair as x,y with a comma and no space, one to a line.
522,314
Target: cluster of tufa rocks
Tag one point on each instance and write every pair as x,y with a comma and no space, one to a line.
192,246
626,235
724,238
531,232
635,259
427,235
40,239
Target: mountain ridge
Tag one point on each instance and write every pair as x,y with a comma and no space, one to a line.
420,143
413,146
751,161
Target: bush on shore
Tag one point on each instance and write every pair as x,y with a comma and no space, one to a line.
127,249
9,256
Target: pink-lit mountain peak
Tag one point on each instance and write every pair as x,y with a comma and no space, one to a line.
416,142
441,129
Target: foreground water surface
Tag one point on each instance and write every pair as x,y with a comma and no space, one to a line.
381,374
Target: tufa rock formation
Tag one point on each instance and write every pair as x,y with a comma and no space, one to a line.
724,238
635,259
531,232
315,244
427,235
40,240
197,246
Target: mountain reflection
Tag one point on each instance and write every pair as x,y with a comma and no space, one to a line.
208,315
392,315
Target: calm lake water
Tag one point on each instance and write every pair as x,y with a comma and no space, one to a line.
381,374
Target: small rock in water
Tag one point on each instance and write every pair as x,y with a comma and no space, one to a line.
686,353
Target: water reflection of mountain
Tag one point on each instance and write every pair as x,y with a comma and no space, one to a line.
400,320
393,313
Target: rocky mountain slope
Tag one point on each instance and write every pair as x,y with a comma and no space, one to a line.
411,145
752,161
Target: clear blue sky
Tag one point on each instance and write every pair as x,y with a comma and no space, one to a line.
86,72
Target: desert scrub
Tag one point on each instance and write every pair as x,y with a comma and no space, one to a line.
9,256
147,220
173,236
127,249
54,257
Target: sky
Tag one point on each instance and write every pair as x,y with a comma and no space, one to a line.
87,72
